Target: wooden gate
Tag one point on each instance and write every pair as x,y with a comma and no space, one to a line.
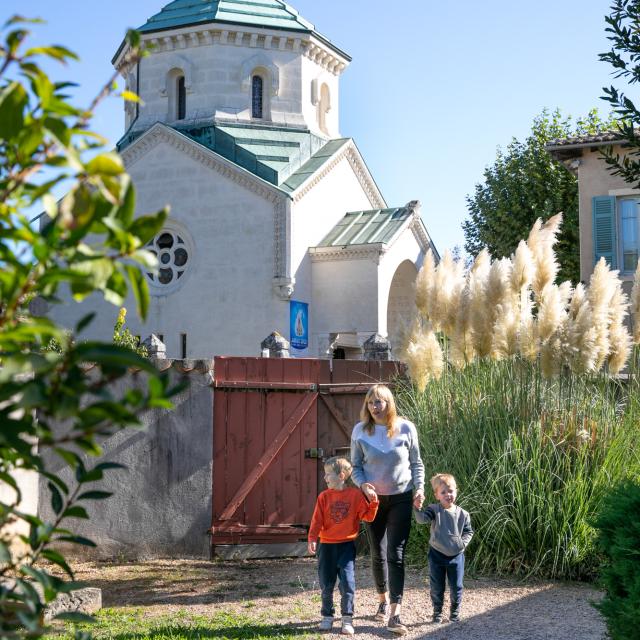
274,421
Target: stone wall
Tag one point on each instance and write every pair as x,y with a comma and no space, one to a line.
161,505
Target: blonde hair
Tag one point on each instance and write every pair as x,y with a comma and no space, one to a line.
442,478
339,465
379,392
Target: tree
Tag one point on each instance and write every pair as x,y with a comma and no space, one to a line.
91,243
524,184
623,24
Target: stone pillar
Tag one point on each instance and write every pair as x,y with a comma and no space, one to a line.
276,344
377,347
155,347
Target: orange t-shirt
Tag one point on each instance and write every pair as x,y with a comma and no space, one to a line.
337,515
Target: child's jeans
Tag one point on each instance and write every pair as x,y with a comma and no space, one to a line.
337,561
441,567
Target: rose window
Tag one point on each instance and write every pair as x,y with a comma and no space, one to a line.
173,258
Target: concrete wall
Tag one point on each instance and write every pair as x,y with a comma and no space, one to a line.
162,502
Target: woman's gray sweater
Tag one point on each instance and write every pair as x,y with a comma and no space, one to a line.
391,465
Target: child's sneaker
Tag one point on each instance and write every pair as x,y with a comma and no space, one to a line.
347,626
454,616
326,624
395,626
437,617
383,612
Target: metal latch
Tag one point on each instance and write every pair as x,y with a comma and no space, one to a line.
314,453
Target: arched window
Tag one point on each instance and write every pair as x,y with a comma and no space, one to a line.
257,97
181,99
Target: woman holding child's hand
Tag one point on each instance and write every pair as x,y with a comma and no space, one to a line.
386,464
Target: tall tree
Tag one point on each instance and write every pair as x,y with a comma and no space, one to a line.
623,27
525,183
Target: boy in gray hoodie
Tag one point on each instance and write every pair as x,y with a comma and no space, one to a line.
451,532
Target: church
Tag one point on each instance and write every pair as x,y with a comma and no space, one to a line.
276,223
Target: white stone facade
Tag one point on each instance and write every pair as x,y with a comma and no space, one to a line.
237,248
301,76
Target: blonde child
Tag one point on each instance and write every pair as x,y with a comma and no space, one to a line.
334,528
451,532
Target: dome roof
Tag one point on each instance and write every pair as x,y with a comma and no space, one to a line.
272,14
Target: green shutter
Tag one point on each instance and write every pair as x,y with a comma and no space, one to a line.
605,244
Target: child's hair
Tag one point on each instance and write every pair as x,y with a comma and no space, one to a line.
382,392
442,478
339,465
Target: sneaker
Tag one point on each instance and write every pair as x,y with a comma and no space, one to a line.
326,624
437,617
395,626
454,616
383,612
347,626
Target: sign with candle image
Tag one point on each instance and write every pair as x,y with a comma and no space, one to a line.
299,334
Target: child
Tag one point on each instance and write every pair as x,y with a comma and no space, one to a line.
336,520
451,532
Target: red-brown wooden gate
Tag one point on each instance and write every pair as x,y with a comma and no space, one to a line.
274,420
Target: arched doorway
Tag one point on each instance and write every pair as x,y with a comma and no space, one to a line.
401,307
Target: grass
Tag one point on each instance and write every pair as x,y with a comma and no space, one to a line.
534,459
134,624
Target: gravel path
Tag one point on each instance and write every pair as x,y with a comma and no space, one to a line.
286,592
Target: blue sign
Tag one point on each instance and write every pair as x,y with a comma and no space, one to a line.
299,333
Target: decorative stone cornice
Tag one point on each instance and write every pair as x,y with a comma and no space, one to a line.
351,153
356,252
160,133
204,35
417,227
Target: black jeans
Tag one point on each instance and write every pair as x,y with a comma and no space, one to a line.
440,568
388,536
337,561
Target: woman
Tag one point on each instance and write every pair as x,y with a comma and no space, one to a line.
386,462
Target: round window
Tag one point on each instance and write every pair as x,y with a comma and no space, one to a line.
174,257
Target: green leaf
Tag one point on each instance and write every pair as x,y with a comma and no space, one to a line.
13,100
130,96
77,540
56,52
109,354
57,559
105,164
146,227
76,511
95,495
57,503
85,321
140,290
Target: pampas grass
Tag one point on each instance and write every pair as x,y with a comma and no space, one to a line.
512,307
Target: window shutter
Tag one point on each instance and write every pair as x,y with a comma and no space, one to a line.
605,243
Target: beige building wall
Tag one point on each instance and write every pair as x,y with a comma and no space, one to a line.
595,180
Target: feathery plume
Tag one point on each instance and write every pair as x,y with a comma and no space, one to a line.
602,286
424,358
580,351
619,338
425,285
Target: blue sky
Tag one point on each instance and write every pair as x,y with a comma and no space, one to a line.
434,88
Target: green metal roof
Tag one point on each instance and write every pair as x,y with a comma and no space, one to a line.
367,227
283,157
273,14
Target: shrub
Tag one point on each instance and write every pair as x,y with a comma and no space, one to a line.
618,527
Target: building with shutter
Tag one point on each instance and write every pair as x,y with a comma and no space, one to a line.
608,206
276,222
